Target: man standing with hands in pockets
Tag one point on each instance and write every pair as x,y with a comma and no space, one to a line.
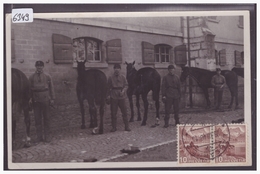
218,81
171,95
117,94
42,97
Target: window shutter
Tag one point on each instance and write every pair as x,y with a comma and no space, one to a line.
12,46
242,57
114,51
180,55
222,57
62,48
172,59
216,57
148,53
238,58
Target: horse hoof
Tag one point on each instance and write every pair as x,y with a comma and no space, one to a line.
27,145
143,124
83,127
131,120
101,132
139,119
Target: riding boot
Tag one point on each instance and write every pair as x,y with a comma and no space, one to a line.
176,117
166,122
126,124
39,133
113,124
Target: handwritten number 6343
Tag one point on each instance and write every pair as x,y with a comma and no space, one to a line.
21,17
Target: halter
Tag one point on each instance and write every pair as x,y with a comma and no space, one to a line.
194,78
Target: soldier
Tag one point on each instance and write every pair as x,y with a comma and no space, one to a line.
218,81
117,94
171,95
42,97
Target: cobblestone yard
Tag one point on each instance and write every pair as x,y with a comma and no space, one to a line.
71,144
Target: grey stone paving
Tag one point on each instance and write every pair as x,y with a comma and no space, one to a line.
76,144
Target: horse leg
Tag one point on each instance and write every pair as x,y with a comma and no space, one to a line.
92,113
144,97
101,112
157,106
236,98
130,98
138,107
156,91
83,126
206,93
231,101
27,122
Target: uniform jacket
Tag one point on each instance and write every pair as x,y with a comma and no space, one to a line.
218,81
171,86
41,87
117,86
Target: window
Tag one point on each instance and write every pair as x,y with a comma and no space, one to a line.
162,53
159,55
241,21
87,48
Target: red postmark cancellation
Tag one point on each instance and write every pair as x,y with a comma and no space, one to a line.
221,143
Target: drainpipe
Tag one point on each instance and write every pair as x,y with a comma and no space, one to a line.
189,61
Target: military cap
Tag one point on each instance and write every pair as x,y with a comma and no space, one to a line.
171,67
117,66
39,63
218,69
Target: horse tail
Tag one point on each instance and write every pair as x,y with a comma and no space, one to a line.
156,87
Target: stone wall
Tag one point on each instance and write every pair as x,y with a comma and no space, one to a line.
33,41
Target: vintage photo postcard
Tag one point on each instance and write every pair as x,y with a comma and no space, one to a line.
128,90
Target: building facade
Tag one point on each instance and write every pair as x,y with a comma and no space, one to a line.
150,42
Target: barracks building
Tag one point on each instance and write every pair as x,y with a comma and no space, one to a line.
151,42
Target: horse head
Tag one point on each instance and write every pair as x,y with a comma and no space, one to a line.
81,64
129,66
184,74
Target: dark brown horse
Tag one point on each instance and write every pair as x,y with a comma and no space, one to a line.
20,101
238,71
140,83
203,78
91,86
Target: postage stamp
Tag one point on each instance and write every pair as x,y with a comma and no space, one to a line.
212,144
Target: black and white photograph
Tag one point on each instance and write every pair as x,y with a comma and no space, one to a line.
128,89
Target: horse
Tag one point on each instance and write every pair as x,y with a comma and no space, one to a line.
140,83
21,94
203,78
238,71
91,86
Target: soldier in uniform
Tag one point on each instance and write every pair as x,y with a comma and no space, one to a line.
42,97
218,81
171,95
117,94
